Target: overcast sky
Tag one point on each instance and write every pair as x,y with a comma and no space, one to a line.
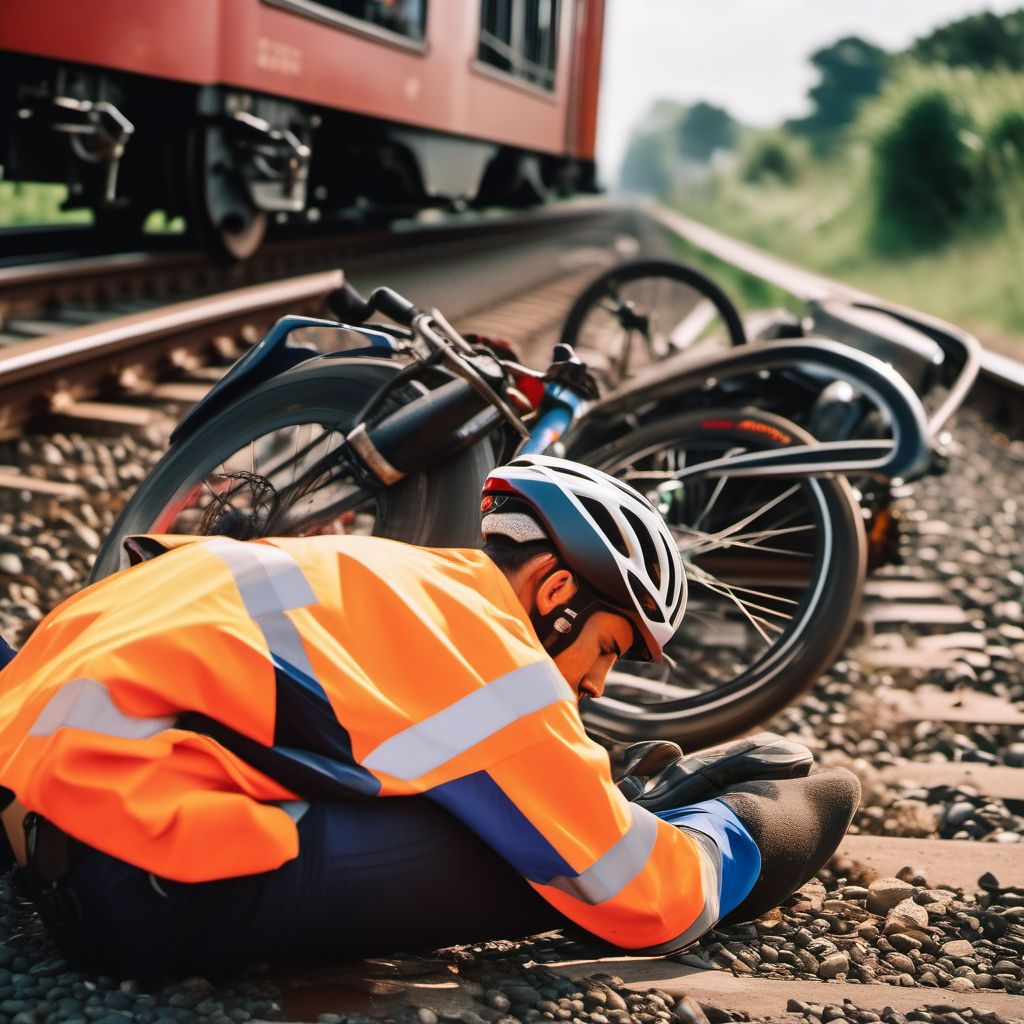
749,56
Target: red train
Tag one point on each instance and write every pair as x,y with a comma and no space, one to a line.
230,112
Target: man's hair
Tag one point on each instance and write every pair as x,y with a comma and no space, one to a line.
510,556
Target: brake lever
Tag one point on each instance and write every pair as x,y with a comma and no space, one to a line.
462,366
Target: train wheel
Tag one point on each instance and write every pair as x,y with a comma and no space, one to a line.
222,217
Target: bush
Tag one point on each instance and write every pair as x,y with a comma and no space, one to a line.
1004,141
923,174
769,157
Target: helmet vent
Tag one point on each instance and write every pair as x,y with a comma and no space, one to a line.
605,523
572,472
645,599
647,547
670,589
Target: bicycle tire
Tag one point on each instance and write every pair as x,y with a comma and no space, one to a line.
632,271
435,508
799,657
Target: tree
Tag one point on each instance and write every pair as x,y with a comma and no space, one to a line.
851,70
705,128
647,166
981,41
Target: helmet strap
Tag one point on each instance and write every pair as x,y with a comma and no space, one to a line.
560,627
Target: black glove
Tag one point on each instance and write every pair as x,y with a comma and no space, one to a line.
657,775
641,764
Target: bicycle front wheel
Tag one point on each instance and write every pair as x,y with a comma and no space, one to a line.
774,565
274,463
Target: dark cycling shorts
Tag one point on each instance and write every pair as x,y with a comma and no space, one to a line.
371,877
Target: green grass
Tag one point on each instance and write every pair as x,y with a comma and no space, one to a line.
29,203
33,203
823,223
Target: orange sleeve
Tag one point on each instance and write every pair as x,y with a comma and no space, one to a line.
552,811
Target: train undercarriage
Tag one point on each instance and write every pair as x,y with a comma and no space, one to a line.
229,162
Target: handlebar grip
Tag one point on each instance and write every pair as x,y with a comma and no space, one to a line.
394,306
346,304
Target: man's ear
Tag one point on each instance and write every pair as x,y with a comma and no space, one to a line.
556,589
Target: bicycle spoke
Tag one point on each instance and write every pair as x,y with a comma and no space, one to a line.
725,592
711,581
740,541
716,493
744,590
746,520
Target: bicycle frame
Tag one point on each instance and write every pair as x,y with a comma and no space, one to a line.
663,387
568,422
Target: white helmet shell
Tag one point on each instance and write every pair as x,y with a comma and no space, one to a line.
605,530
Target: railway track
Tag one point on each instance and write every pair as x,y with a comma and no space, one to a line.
114,326
926,706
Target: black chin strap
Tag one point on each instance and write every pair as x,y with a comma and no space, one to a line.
562,625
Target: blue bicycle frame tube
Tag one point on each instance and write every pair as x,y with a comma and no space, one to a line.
559,409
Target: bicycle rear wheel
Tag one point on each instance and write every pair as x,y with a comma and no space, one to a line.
775,568
274,464
643,310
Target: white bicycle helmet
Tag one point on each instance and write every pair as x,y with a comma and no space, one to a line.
608,534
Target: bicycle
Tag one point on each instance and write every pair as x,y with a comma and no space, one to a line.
665,307
393,429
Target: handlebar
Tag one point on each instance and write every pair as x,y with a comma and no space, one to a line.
346,303
440,337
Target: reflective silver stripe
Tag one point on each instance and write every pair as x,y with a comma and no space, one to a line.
269,579
617,866
87,704
427,745
710,879
295,809
271,582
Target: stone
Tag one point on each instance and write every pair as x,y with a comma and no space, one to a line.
426,1016
906,914
912,875
901,962
961,985
11,564
688,1011
833,965
904,942
958,948
886,893
958,813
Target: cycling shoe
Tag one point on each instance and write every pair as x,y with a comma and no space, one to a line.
797,825
706,773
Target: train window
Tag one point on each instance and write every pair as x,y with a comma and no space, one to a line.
519,37
405,18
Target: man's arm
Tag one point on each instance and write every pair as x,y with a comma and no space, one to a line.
612,867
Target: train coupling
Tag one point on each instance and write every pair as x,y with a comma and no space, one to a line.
274,163
97,131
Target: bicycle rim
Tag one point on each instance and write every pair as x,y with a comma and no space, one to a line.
761,557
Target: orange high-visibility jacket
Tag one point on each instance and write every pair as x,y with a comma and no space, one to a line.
181,714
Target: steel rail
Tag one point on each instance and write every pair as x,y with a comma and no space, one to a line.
291,253
86,356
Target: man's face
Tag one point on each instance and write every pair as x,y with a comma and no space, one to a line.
586,662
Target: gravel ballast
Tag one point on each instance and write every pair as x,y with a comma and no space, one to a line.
908,932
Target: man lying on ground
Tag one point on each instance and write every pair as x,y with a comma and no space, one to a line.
318,748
